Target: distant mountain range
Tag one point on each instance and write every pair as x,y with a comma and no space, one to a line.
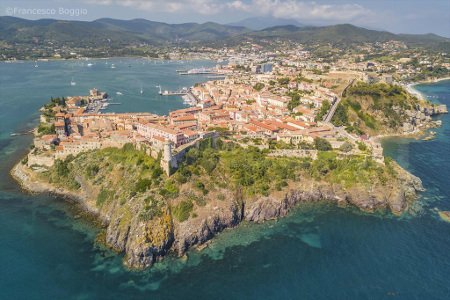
259,23
345,34
111,31
116,33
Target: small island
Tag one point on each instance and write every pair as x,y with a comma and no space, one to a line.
243,151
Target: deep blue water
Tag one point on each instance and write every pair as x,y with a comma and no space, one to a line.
318,252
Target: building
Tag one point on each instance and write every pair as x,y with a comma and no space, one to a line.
150,130
266,68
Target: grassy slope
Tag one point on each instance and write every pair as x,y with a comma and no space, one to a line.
374,108
131,180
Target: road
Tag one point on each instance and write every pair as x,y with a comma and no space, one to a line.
332,111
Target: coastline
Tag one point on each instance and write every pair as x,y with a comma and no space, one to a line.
411,87
125,233
53,59
218,215
31,185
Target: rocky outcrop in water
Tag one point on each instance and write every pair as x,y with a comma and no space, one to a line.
146,241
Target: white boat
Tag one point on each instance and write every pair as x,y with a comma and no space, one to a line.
113,66
72,83
141,91
119,93
89,65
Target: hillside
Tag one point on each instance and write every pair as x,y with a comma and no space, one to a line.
380,109
346,35
110,33
147,214
259,23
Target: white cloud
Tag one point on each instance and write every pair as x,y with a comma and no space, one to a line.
205,7
300,10
292,9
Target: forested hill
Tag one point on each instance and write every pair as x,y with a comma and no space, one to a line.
104,31
347,34
112,32
378,109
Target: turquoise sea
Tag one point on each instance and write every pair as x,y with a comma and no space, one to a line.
318,252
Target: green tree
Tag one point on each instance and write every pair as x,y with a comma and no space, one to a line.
295,101
323,110
322,144
283,81
259,86
340,117
346,147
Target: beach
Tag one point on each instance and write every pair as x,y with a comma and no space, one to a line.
412,90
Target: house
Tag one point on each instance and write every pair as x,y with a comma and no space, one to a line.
60,128
150,130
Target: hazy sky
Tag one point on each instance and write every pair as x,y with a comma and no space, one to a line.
399,16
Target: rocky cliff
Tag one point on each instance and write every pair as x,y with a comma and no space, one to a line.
144,240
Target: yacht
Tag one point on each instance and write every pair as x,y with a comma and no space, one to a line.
72,83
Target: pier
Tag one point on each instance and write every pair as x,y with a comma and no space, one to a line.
202,71
181,92
174,93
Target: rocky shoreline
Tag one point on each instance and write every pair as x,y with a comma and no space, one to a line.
145,242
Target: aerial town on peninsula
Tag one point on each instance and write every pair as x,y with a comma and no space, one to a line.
224,149
269,130
265,99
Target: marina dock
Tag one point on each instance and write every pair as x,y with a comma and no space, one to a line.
174,93
181,92
201,71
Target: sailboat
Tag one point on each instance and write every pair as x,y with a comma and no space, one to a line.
72,83
36,64
142,91
113,66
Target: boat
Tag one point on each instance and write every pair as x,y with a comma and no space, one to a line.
89,65
141,91
119,93
159,86
113,66
73,83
